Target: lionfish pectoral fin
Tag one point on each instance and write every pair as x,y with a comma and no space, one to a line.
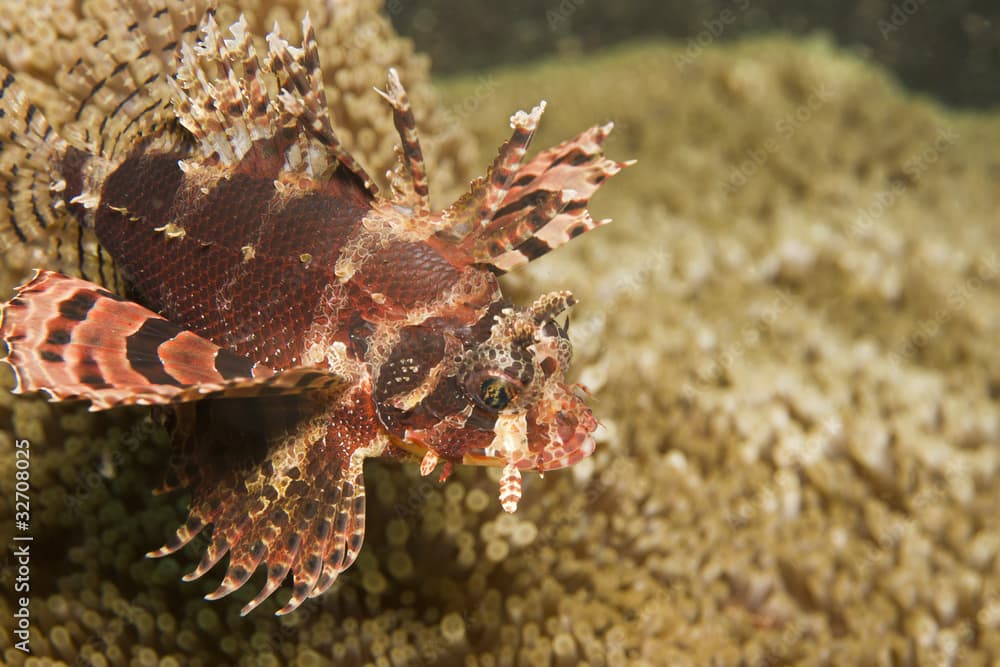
35,165
73,339
303,516
29,148
120,80
117,82
409,178
519,212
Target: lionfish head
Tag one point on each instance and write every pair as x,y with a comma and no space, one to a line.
518,375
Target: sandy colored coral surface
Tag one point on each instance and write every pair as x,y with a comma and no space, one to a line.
789,332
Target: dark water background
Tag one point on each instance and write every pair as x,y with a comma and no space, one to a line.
949,49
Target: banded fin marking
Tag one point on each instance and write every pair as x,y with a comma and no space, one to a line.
29,147
117,97
409,178
348,524
71,339
34,166
304,97
518,213
474,210
298,509
118,86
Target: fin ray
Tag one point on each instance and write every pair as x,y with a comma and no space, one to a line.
519,212
71,339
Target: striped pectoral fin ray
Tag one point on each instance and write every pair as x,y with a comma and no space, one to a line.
28,146
118,86
72,339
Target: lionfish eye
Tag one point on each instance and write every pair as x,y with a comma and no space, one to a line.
495,393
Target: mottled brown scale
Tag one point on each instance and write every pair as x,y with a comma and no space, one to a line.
408,274
287,320
259,308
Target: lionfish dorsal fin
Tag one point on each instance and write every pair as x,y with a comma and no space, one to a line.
520,211
265,115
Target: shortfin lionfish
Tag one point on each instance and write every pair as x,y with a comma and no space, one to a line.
219,255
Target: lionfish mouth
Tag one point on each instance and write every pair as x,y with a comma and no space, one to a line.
575,442
474,457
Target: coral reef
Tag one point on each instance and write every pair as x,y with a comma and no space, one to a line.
789,333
